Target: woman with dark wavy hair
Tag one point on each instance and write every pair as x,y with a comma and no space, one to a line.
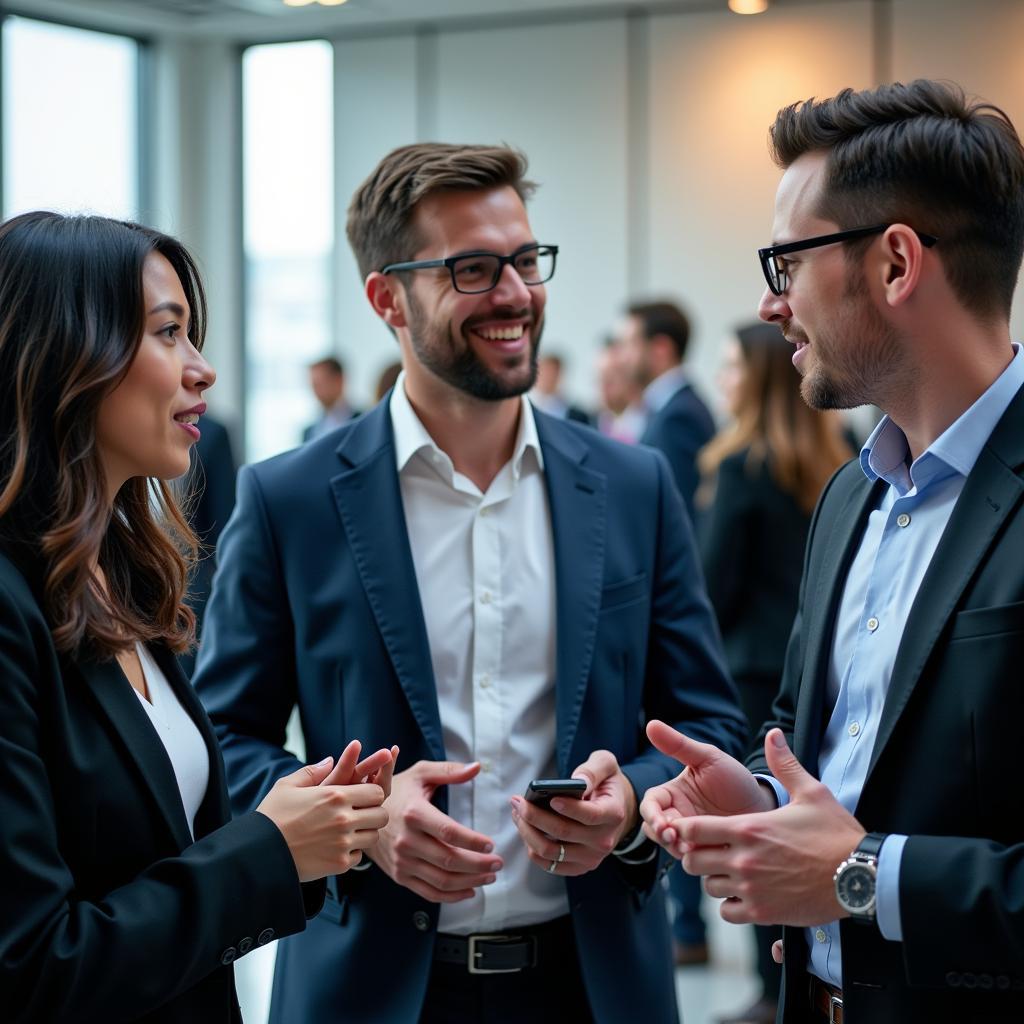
127,890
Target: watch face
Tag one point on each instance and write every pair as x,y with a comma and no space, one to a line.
855,888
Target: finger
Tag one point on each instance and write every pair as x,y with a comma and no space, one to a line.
599,766
369,765
422,847
708,860
602,809
450,881
436,823
435,895
710,830
310,774
365,794
567,869
447,773
366,819
736,911
672,742
548,849
720,887
782,763
342,774
386,774
777,951
557,826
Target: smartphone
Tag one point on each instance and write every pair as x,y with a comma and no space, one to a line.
540,791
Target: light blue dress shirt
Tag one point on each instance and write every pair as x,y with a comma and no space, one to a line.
881,585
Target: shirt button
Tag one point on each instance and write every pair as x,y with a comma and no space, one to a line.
485,681
820,936
854,728
485,597
872,624
420,921
486,511
903,520
485,766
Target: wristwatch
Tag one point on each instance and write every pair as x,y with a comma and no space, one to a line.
856,878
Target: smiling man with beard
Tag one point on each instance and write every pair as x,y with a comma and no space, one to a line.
505,594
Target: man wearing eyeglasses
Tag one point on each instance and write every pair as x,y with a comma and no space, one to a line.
505,593
884,823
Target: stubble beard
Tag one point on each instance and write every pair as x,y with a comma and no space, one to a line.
459,366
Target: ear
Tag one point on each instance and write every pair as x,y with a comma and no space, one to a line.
901,263
386,296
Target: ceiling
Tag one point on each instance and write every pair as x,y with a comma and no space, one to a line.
258,20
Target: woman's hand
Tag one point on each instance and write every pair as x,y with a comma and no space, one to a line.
329,817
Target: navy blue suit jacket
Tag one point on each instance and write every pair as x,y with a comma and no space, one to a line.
315,604
680,428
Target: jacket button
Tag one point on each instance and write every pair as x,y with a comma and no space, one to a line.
229,956
1002,982
970,980
265,936
985,980
421,921
245,945
953,979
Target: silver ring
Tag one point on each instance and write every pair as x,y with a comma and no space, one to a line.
552,866
561,854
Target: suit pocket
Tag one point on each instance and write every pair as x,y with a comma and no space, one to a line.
625,592
976,622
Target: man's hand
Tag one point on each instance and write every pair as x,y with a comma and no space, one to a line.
775,867
712,783
588,828
424,849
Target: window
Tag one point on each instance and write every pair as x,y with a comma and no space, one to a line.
70,116
288,170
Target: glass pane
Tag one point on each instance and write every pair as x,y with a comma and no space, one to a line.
70,113
289,235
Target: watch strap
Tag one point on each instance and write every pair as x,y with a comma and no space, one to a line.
871,844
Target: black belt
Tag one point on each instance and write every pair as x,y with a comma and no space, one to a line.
506,952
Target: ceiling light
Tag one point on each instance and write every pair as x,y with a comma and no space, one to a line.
748,6
297,3
306,3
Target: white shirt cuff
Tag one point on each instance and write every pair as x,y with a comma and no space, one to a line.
887,893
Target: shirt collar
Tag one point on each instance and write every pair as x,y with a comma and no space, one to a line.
411,437
955,450
663,387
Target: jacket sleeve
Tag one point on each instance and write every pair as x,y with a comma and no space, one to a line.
245,674
67,955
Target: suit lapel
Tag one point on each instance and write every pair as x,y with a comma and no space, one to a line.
120,703
369,502
577,497
991,492
846,527
215,809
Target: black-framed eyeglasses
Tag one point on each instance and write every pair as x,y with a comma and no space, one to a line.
775,268
475,272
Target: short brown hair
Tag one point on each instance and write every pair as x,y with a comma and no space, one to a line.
923,155
380,228
663,318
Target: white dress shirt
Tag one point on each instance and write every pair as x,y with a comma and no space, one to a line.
485,568
179,734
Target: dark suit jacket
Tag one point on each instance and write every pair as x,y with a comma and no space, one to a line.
316,604
211,479
110,911
752,545
680,428
944,769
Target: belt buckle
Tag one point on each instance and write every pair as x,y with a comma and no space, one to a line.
834,1003
473,954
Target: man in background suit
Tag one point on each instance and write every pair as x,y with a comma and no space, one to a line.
327,382
503,594
656,335
890,840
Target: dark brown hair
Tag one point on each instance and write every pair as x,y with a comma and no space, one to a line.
801,446
923,155
71,319
380,216
663,318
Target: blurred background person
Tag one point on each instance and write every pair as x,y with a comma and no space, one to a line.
655,336
327,381
209,489
620,413
128,890
546,393
387,380
761,478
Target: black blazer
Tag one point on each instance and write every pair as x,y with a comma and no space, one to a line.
679,429
110,911
945,768
752,546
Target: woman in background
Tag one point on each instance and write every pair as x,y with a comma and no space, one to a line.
762,476
127,890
